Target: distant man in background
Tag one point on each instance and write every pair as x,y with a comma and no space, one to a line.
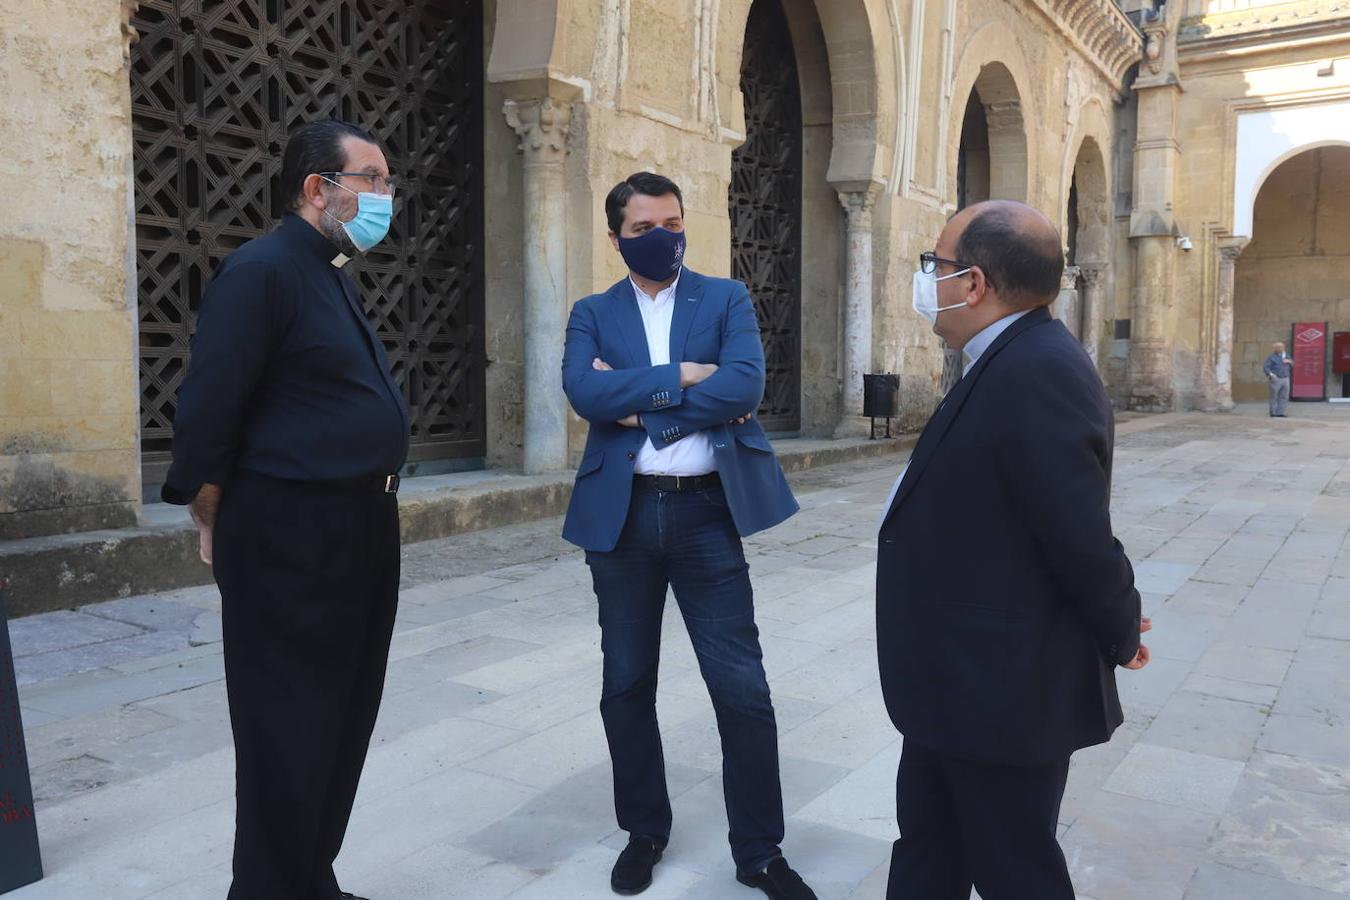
1278,368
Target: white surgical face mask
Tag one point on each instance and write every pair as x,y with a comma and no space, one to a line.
925,294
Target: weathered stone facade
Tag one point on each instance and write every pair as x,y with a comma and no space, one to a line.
1243,108
68,395
909,108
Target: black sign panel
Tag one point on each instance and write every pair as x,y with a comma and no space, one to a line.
20,862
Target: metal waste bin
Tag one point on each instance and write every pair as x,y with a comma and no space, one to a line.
881,399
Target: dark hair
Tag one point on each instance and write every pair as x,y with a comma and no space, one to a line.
646,183
315,147
1024,266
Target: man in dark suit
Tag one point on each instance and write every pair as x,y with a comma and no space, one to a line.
1004,602
667,366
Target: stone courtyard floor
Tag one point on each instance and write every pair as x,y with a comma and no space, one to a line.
489,777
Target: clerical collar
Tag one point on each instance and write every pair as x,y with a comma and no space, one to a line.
309,237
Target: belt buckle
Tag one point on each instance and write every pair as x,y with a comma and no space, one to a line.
391,483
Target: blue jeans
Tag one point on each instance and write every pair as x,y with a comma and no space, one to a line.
686,541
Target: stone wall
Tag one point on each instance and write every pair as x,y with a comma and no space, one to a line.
68,381
1297,266
650,84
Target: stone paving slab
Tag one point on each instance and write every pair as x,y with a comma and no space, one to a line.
488,775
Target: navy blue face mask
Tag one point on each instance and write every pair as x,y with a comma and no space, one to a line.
656,255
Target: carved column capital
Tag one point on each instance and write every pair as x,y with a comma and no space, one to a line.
1230,251
129,35
1094,274
543,126
1068,281
858,208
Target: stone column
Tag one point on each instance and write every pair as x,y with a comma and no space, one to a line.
543,126
1094,287
1229,251
857,307
1153,227
1066,307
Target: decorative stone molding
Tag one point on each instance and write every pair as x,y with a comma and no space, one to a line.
1099,29
1260,21
1160,47
1068,281
129,35
858,208
543,126
1093,274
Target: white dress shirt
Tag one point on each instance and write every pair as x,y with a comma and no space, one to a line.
691,455
972,351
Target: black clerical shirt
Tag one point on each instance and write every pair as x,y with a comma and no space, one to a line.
287,377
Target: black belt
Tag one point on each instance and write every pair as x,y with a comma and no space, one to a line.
383,484
670,483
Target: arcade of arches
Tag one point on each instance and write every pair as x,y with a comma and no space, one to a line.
1297,266
820,145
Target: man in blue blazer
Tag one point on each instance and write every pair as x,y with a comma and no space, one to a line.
667,368
1004,602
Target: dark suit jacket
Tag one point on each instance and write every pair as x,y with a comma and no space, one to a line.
1004,602
713,322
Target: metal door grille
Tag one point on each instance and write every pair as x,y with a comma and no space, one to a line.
766,207
217,84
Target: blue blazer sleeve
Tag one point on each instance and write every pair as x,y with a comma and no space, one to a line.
735,389
607,397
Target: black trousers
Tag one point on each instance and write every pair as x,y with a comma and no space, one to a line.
308,577
964,823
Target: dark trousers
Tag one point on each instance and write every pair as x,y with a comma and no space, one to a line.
308,577
964,823
686,541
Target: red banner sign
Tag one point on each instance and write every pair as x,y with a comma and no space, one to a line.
1310,361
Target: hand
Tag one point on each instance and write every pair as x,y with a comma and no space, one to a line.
1145,624
743,419
630,421
204,543
695,373
600,365
1140,660
203,511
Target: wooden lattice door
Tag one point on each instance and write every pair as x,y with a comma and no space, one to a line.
217,84
766,207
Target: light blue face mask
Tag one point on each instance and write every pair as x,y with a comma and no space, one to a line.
369,226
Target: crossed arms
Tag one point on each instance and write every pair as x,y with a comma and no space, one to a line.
674,400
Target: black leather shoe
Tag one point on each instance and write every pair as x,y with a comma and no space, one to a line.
779,882
347,896
633,872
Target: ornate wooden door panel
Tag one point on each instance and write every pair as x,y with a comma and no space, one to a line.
766,207
217,84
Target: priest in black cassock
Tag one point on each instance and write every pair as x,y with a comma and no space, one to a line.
288,438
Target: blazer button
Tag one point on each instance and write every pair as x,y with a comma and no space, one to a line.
632,455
